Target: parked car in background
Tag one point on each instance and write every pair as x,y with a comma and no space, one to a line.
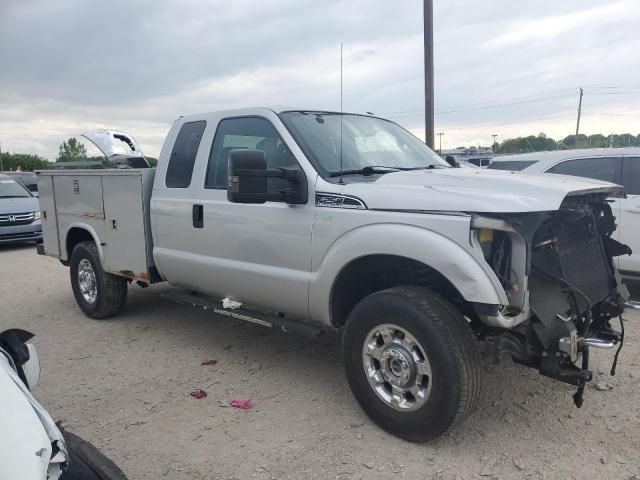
28,179
619,165
19,212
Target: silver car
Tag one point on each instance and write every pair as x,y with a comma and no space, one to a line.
615,165
19,213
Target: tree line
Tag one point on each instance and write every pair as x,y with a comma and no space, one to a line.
71,150
541,142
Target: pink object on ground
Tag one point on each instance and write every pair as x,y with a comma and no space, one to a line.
242,404
198,394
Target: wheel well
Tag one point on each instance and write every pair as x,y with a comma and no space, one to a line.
75,236
373,273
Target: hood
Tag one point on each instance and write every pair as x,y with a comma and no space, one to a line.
19,205
470,190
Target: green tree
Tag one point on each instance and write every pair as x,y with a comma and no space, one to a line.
153,161
72,151
28,162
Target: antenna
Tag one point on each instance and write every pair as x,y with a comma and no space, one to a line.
341,47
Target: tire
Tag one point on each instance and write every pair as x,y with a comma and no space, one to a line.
86,462
424,328
109,291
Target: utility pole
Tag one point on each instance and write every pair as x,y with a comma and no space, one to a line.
1,163
440,134
494,135
428,72
575,145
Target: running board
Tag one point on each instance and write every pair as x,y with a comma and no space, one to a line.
263,318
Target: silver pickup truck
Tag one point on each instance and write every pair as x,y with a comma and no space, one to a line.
311,218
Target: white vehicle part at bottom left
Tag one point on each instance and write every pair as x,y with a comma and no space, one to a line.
28,433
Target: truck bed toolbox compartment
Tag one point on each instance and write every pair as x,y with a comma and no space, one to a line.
111,205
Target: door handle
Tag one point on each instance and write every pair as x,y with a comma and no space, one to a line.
197,215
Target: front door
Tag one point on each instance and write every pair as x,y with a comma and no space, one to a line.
259,254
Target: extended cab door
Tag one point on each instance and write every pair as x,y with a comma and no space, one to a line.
630,214
259,254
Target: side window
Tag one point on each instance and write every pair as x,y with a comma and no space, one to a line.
607,169
247,132
631,175
183,155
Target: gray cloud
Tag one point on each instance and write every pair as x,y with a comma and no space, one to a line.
71,65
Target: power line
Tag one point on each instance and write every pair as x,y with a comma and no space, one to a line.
485,107
490,125
537,96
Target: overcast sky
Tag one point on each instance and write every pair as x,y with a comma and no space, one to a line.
505,67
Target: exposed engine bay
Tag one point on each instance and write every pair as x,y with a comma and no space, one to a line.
564,299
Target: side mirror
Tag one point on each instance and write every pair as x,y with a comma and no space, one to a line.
451,160
247,180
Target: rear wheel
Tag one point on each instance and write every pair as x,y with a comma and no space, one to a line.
99,294
411,362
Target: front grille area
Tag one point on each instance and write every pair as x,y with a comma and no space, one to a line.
13,219
21,236
582,258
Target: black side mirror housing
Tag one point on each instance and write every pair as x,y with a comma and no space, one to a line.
451,160
247,180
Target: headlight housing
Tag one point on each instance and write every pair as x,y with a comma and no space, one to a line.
36,215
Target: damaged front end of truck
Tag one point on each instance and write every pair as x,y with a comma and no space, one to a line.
558,270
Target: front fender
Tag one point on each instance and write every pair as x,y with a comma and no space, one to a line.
475,282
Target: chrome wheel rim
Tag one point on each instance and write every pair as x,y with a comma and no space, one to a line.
87,281
397,367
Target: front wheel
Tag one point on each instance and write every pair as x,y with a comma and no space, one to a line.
411,362
99,294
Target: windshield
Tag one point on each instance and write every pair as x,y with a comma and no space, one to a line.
368,143
9,188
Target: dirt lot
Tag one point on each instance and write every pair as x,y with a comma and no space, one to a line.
124,385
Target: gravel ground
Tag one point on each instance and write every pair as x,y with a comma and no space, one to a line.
124,385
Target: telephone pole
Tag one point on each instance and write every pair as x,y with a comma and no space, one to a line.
494,135
428,72
1,162
440,134
575,145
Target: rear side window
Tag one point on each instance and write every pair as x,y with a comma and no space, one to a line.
512,165
631,175
183,155
247,132
607,169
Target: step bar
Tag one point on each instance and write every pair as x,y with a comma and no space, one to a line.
247,314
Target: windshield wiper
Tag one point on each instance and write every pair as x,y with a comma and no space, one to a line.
428,167
13,196
368,170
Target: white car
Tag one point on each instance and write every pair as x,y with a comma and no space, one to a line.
32,445
615,165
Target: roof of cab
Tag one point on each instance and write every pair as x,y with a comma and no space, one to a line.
258,110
